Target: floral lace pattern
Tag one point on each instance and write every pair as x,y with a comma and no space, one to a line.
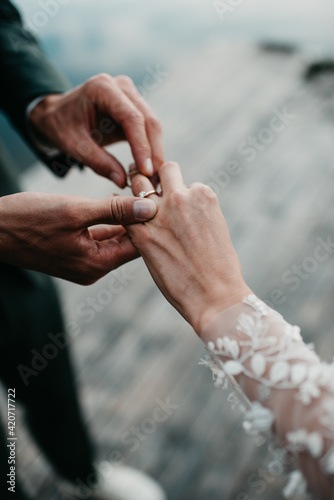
257,345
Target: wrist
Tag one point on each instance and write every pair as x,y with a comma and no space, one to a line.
6,237
39,118
42,108
216,302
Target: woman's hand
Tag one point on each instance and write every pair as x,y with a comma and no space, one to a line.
187,247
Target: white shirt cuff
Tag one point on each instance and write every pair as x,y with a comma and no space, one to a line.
43,147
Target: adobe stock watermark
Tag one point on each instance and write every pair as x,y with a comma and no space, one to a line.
250,148
266,135
136,435
152,80
225,7
297,273
258,481
86,311
132,439
39,20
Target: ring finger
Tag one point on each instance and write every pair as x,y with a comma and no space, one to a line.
140,183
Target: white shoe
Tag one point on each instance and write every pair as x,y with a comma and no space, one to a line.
117,482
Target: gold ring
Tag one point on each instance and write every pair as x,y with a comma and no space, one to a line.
132,173
144,194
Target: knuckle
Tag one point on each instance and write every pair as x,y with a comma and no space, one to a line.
153,124
102,78
167,165
94,83
118,210
125,81
170,164
135,117
204,191
178,198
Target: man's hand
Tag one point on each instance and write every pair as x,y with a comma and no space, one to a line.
102,111
50,233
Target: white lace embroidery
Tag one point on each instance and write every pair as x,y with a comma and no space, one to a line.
276,362
296,485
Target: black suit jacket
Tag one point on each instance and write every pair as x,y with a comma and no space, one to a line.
26,73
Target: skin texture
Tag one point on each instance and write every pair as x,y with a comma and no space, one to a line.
187,248
102,111
54,234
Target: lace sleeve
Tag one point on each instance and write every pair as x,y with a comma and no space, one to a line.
281,385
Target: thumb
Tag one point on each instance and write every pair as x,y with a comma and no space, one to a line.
118,210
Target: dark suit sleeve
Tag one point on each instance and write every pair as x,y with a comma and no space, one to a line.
26,74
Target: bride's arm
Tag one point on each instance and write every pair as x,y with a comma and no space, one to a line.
286,388
273,366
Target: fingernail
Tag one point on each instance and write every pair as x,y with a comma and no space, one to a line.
116,178
149,167
144,209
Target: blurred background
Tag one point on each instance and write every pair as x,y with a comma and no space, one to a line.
218,73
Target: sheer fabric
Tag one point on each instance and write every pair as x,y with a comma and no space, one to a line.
285,391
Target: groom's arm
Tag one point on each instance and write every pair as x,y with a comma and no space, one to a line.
79,122
26,74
